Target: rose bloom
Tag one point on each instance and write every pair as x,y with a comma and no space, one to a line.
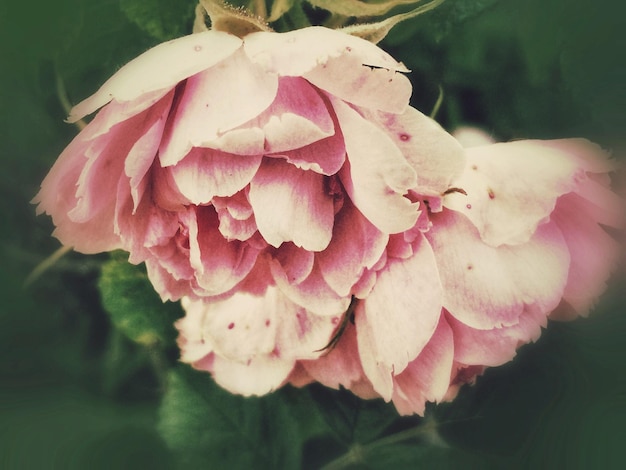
318,228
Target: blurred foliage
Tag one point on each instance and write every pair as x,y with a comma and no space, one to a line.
86,394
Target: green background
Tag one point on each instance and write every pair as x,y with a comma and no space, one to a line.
78,391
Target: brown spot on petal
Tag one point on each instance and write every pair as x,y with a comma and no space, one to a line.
469,206
491,193
267,322
405,137
474,167
231,326
470,267
197,48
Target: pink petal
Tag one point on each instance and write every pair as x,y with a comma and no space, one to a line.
325,156
203,114
297,117
593,252
236,217
290,205
219,264
435,155
356,244
346,66
339,367
161,68
164,283
427,377
512,188
496,346
206,173
295,262
313,293
487,287
399,317
377,176
259,376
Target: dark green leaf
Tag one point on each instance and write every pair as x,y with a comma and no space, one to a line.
209,427
134,306
161,19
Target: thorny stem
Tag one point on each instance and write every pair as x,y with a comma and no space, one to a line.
259,8
359,452
65,102
46,264
438,103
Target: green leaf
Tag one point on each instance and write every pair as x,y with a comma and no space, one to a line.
134,306
209,427
352,419
279,8
161,19
358,8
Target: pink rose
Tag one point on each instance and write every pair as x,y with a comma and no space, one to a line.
522,245
269,177
317,227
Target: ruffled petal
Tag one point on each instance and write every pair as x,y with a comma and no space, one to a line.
203,114
206,173
219,264
399,317
427,377
487,287
499,345
314,294
376,176
345,66
512,188
291,205
161,68
297,117
356,245
258,376
593,252
435,155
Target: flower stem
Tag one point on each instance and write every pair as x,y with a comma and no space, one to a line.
46,264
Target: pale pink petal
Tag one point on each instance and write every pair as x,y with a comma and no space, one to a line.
427,377
161,68
206,173
203,114
297,52
499,345
236,216
258,376
297,117
377,175
165,192
487,287
512,188
399,317
325,156
302,335
314,294
593,252
339,366
219,264
351,68
435,155
356,245
164,283
290,205
295,262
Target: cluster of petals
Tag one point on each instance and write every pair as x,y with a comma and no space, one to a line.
317,228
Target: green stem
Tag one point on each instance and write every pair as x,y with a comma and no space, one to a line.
46,264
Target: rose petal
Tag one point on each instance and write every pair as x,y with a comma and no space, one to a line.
487,287
377,175
512,188
435,155
290,205
160,68
206,173
398,318
427,377
203,115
